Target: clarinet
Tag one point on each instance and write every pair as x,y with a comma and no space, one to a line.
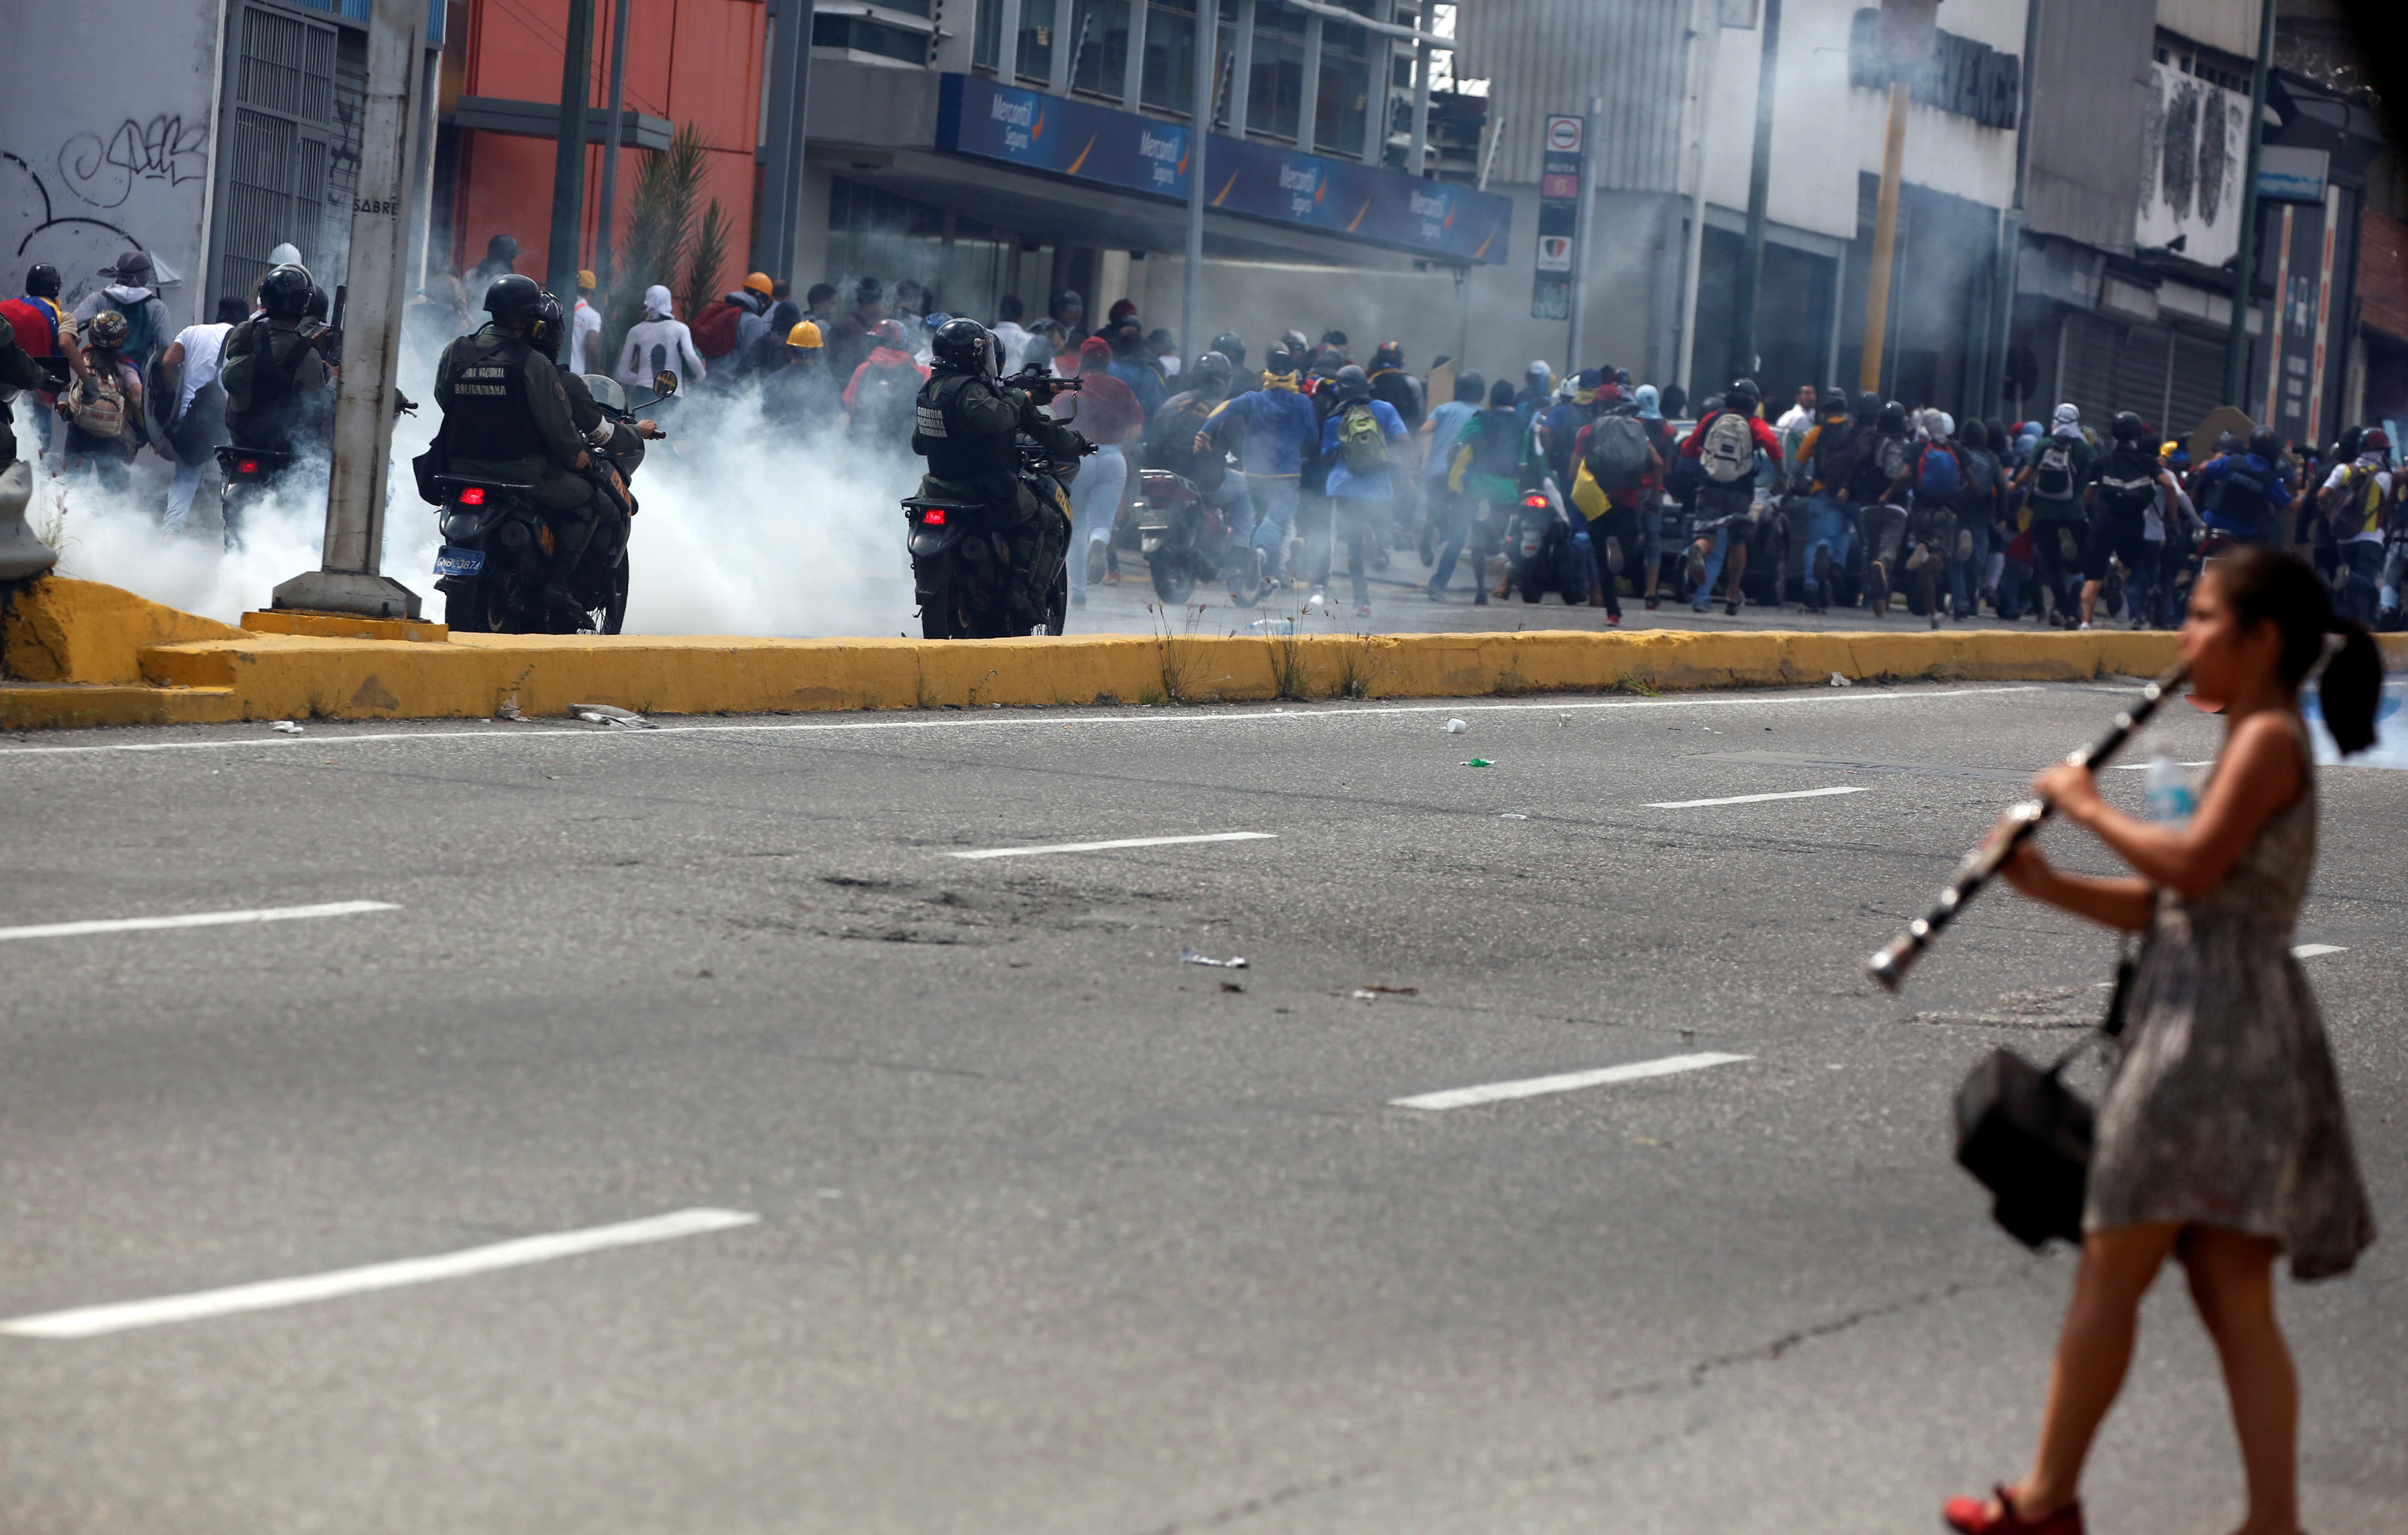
1890,965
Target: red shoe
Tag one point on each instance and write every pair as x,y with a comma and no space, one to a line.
1973,1517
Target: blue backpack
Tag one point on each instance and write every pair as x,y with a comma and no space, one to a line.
1938,475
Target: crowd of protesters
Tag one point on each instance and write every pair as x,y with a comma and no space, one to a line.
1833,500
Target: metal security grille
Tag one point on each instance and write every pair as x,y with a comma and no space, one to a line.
282,139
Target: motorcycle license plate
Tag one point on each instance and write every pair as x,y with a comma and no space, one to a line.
459,562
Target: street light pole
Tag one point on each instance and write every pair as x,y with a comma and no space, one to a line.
605,224
2245,268
1191,287
349,580
1760,181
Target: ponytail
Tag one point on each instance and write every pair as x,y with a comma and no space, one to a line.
2268,585
2352,686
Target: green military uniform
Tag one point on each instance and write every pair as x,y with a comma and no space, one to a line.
507,417
274,382
967,425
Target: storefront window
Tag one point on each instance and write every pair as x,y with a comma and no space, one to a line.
860,37
1276,91
1345,87
1170,56
1101,37
875,233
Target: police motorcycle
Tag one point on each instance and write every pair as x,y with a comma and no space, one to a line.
496,540
1185,540
960,571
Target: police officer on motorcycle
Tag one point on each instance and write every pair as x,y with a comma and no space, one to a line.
507,417
275,367
967,422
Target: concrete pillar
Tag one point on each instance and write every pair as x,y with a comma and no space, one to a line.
1007,42
1241,68
1133,72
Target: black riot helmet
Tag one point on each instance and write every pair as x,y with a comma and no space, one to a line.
1743,398
1354,383
1231,345
42,280
513,300
550,326
1212,374
965,346
1974,434
1893,419
2126,427
1867,406
2266,443
284,291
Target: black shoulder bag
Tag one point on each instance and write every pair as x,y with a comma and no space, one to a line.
2027,1136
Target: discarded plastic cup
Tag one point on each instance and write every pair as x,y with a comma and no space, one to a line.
286,727
1189,956
1456,727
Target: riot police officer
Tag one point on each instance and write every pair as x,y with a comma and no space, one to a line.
507,417
275,369
968,426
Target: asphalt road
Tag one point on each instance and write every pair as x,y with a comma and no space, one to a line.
1057,1233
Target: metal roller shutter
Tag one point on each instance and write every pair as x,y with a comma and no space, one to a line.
2199,384
2086,366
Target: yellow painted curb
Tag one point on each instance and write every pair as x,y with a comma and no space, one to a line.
205,671
41,708
55,630
275,676
342,625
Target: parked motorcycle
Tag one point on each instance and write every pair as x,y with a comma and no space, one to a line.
961,568
1187,539
497,544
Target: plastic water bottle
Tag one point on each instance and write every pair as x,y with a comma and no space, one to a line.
2171,794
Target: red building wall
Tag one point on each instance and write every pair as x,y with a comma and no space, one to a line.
689,61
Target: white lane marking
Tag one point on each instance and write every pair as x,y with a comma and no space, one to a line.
1497,1092
2142,767
2310,951
197,919
1039,717
1759,800
92,1321
1119,842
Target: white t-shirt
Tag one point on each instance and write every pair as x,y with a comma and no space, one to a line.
1796,419
584,325
2383,481
203,346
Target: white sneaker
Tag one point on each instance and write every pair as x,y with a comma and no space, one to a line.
2082,628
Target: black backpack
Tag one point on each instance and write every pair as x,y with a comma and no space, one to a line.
1619,455
1839,447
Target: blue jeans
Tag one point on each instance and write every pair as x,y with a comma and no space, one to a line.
2395,576
1965,572
1236,505
181,492
1095,504
1829,525
1715,556
1274,500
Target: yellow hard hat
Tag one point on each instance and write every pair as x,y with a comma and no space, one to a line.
585,279
757,281
806,336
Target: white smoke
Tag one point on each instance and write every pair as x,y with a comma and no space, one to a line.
746,527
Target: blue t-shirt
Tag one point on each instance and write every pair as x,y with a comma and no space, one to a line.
1446,425
1368,487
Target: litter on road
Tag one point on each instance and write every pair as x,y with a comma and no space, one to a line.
1189,956
1478,762
286,728
610,715
1456,727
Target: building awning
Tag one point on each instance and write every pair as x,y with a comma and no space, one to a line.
1082,142
541,120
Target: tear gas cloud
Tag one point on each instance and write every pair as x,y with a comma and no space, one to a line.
745,527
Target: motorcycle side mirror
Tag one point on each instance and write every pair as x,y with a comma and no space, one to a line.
664,383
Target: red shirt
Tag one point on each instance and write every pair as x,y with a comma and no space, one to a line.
1108,409
1764,435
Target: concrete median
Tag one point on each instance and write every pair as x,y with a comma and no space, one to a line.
107,657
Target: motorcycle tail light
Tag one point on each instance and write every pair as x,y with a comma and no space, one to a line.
245,465
935,518
1534,500
473,497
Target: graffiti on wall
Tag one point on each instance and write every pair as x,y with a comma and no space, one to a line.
104,171
95,194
